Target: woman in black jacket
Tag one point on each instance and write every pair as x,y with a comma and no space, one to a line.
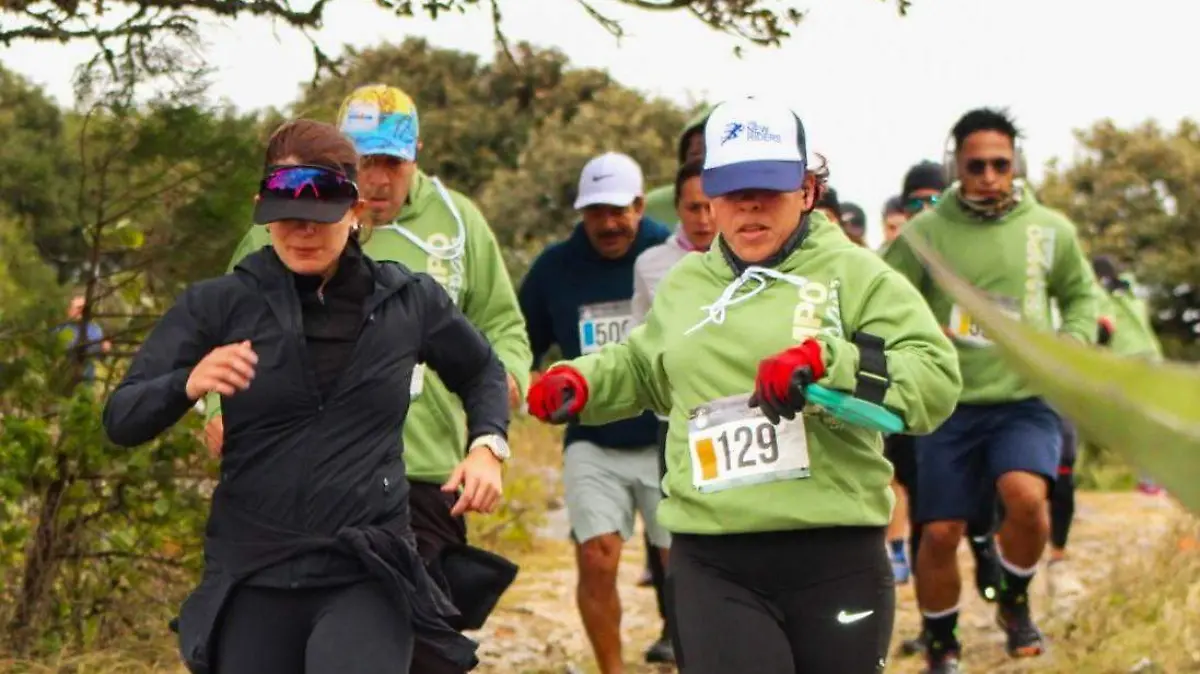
310,563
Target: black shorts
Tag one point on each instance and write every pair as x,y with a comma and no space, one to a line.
434,528
961,461
818,601
901,450
432,523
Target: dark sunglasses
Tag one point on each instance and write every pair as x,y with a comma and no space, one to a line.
977,167
918,204
303,181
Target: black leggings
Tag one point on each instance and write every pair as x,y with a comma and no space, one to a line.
818,601
350,629
1062,496
658,574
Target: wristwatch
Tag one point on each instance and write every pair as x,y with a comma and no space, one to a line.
496,444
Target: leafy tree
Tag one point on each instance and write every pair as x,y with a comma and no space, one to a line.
475,117
94,535
1135,194
531,205
35,170
131,28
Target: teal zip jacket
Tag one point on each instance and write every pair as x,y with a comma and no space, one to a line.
695,360
1026,261
466,261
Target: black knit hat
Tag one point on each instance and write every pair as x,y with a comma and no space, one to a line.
927,175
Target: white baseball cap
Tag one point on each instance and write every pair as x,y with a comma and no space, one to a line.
751,143
612,179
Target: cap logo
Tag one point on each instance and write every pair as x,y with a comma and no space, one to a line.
361,117
731,132
753,132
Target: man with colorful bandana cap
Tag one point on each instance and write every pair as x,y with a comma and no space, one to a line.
429,228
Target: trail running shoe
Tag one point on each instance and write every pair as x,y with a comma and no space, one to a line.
911,647
661,651
1025,640
946,662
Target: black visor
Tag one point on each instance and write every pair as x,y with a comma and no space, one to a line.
303,192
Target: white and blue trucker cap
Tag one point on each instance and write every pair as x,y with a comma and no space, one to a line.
753,144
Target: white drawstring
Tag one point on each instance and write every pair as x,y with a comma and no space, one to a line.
763,275
449,252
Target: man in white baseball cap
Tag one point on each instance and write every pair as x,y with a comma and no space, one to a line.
578,294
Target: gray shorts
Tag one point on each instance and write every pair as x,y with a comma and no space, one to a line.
605,488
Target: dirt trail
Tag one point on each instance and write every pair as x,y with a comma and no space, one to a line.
537,630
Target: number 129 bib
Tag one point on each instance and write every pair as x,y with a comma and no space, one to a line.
604,323
734,445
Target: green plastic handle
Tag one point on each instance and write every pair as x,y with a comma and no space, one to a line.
855,410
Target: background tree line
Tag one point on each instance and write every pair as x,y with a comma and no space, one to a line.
125,201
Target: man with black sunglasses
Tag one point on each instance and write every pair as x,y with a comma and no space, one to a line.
991,230
414,220
923,186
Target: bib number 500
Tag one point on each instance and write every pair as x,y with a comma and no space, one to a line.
612,331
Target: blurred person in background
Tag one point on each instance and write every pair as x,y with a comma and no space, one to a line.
578,295
854,223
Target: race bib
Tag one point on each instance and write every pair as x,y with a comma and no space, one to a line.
965,330
733,445
604,323
417,385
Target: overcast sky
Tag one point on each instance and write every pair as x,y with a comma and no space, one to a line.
876,92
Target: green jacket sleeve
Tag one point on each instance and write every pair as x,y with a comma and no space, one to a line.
490,302
921,361
624,380
256,237
1074,286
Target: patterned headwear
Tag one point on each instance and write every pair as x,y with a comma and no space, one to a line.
381,120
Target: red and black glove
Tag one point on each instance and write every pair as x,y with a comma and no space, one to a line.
1104,330
559,395
782,378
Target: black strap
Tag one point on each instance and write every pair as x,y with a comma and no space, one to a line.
872,377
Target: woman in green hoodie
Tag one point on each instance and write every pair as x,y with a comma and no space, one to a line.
778,509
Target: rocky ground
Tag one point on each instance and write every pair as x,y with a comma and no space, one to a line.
537,629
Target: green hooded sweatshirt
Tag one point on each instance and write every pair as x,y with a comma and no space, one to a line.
695,359
474,275
660,201
1133,335
1025,261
